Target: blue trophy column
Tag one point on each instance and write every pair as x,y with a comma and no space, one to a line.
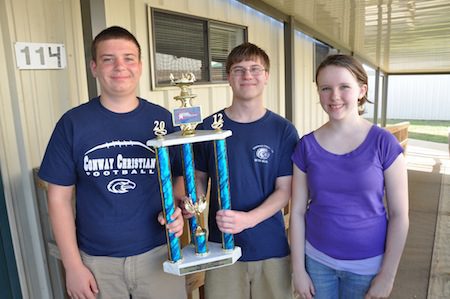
189,182
168,204
198,235
220,149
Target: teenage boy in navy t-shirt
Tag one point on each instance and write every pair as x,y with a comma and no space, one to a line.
115,246
260,172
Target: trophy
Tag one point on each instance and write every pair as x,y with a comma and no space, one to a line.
199,255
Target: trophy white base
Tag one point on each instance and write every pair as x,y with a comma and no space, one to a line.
191,263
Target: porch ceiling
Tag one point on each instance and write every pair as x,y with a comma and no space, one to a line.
399,36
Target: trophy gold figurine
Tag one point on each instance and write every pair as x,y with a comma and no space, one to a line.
199,235
200,255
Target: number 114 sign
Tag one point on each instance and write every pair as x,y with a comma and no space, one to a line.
40,56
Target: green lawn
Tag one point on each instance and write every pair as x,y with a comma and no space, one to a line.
427,130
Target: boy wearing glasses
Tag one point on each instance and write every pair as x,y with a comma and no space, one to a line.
260,183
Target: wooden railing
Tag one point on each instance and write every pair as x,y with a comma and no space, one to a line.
400,131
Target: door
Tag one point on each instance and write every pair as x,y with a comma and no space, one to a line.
9,279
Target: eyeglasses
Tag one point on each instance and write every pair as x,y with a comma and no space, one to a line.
240,71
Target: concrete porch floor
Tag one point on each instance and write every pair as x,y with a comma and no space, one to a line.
424,270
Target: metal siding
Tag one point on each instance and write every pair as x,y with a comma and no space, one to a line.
118,12
308,114
8,158
408,99
268,34
219,10
32,101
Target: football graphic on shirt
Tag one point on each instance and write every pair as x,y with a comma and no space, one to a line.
120,161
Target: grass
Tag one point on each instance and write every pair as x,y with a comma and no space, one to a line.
427,130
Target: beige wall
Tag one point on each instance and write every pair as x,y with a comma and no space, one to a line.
31,102
264,31
308,114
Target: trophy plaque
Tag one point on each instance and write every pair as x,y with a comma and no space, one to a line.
199,255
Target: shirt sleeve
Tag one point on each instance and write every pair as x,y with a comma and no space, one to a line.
289,140
58,165
390,148
299,155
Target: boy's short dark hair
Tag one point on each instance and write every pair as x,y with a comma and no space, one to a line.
113,32
247,51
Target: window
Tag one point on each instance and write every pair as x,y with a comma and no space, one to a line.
186,44
321,51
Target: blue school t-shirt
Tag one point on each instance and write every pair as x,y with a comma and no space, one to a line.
258,153
104,154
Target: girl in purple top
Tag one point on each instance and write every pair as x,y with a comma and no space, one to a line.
343,242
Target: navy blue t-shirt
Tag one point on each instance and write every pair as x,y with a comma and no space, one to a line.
104,154
258,153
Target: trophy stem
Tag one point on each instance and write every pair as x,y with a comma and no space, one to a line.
165,183
220,150
201,247
189,183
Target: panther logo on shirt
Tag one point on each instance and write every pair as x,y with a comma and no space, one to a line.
262,153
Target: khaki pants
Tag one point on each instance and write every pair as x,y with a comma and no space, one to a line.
269,279
140,276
